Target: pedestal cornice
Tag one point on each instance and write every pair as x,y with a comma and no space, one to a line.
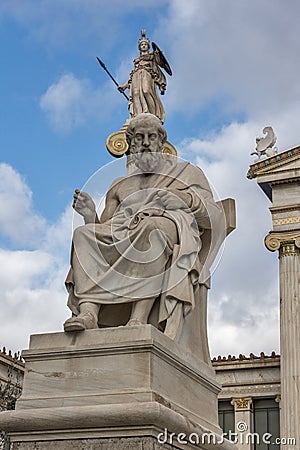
136,419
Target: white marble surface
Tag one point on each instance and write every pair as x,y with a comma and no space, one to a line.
116,366
125,381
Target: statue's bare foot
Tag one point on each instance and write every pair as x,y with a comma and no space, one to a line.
133,322
83,321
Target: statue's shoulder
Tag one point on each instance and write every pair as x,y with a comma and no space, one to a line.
196,169
187,167
117,183
191,174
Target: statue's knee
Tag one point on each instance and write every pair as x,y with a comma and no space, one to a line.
162,225
150,224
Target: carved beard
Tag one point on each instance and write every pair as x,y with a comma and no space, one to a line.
146,160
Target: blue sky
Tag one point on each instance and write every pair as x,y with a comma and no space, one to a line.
235,71
35,55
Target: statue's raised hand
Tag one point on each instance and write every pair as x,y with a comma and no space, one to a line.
123,87
84,205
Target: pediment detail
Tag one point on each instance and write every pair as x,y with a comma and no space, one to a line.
286,161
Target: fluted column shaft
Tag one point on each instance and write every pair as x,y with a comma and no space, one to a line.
290,342
288,245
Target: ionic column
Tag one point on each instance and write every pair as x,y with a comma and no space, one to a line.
243,414
288,245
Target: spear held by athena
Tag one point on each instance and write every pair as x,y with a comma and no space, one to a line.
110,75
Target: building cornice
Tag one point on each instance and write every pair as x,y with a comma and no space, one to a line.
266,165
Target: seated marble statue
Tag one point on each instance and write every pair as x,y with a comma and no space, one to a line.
147,248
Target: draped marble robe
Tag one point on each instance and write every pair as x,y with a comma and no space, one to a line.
144,251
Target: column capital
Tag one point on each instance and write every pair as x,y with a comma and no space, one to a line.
242,403
287,242
278,398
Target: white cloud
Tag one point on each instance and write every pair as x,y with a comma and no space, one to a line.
18,220
65,24
226,338
244,299
58,235
70,102
33,297
241,55
36,309
22,267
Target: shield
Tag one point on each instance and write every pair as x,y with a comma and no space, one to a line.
161,60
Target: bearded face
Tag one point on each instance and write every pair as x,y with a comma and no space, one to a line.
146,148
147,161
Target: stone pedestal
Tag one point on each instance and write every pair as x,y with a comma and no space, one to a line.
117,388
279,177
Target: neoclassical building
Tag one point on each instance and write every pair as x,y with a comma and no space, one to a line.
250,395
278,176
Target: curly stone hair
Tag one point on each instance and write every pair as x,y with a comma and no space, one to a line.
145,119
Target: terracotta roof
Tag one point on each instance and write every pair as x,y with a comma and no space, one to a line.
14,357
241,357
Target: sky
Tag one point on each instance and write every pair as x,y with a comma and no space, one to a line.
235,70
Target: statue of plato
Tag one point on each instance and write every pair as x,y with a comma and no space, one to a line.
146,251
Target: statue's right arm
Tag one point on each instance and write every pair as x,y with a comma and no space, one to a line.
123,87
111,204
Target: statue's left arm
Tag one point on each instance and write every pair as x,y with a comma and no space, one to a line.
204,207
191,190
200,202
